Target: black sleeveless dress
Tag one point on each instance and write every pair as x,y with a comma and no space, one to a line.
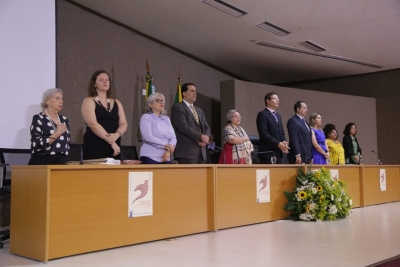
95,147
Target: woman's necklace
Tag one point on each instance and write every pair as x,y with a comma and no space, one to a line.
108,103
53,125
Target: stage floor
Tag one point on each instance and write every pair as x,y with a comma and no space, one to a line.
370,235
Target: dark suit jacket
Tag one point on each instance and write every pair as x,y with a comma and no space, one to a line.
348,148
271,134
299,140
188,132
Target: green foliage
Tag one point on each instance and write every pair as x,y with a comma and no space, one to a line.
317,197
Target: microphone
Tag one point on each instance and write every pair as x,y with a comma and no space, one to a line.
70,142
380,159
170,151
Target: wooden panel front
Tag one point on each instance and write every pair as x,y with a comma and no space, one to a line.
29,212
89,208
372,193
236,195
351,175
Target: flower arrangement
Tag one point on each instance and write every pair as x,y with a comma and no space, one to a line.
318,197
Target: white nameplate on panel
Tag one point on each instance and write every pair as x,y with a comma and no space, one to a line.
382,179
140,194
334,174
262,186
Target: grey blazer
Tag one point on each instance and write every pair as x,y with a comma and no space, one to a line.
188,132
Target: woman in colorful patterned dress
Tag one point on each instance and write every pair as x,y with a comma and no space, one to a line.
336,151
237,145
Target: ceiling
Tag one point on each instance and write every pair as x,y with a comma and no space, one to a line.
361,30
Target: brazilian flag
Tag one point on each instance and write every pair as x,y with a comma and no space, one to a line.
178,96
148,86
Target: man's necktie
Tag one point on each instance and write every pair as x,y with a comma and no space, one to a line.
276,117
196,116
308,127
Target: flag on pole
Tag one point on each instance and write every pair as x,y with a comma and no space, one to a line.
178,96
149,79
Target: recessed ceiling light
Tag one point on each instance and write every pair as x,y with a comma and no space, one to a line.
273,28
312,46
226,7
292,49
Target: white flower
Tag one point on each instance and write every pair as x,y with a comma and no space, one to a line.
314,190
350,202
333,209
332,197
339,199
318,220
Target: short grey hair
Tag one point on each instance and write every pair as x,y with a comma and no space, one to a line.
153,98
47,95
230,114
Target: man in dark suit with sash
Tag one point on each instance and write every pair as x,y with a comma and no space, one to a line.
270,130
191,128
299,136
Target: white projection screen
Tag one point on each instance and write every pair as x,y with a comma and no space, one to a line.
27,65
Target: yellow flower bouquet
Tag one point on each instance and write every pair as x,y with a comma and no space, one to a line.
317,197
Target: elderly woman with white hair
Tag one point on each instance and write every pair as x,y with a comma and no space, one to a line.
50,135
158,136
237,145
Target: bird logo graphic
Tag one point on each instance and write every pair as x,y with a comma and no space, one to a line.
264,183
143,188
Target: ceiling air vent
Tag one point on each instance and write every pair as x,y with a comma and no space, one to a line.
296,50
312,46
273,28
226,7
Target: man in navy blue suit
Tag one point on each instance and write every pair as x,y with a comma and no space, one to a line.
270,130
299,136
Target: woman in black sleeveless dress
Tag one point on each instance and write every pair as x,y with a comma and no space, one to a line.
105,119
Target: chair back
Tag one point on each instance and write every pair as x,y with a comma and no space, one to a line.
255,140
129,153
12,156
74,152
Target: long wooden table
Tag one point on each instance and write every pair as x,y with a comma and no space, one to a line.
58,211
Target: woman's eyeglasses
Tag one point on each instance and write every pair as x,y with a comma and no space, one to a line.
159,101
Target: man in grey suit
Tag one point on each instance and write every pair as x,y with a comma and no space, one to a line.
191,128
270,130
299,136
